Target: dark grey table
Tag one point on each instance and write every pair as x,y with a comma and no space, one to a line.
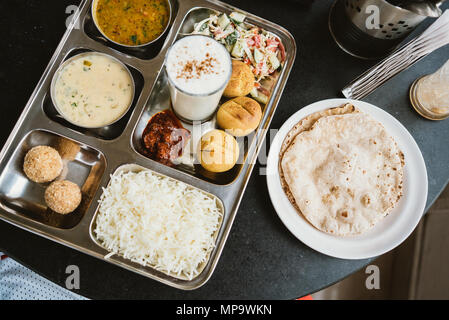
261,258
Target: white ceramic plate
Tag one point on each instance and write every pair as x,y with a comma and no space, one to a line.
385,235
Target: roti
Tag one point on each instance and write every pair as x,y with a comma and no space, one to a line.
304,125
341,170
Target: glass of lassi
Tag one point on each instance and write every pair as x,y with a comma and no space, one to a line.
198,69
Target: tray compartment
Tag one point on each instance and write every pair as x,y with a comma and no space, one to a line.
22,196
110,132
160,100
205,269
145,52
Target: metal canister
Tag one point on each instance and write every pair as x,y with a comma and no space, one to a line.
370,29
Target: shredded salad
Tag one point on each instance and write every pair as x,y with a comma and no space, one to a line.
263,52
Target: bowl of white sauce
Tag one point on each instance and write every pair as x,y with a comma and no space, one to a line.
92,90
198,69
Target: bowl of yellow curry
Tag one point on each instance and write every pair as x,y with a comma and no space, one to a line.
132,23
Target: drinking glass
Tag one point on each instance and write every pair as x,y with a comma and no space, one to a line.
429,94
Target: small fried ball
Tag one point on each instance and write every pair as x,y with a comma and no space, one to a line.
68,149
218,151
241,82
63,196
42,164
239,116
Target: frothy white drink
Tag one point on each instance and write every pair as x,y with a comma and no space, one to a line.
198,68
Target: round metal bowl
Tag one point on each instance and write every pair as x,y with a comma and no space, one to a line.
65,63
94,18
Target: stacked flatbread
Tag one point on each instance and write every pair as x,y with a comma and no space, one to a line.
341,170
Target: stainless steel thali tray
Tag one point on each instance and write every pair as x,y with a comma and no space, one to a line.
103,151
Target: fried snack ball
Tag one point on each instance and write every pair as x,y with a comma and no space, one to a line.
68,149
218,151
239,116
63,196
42,164
241,82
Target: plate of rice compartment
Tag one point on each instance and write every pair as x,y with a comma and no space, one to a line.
347,179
